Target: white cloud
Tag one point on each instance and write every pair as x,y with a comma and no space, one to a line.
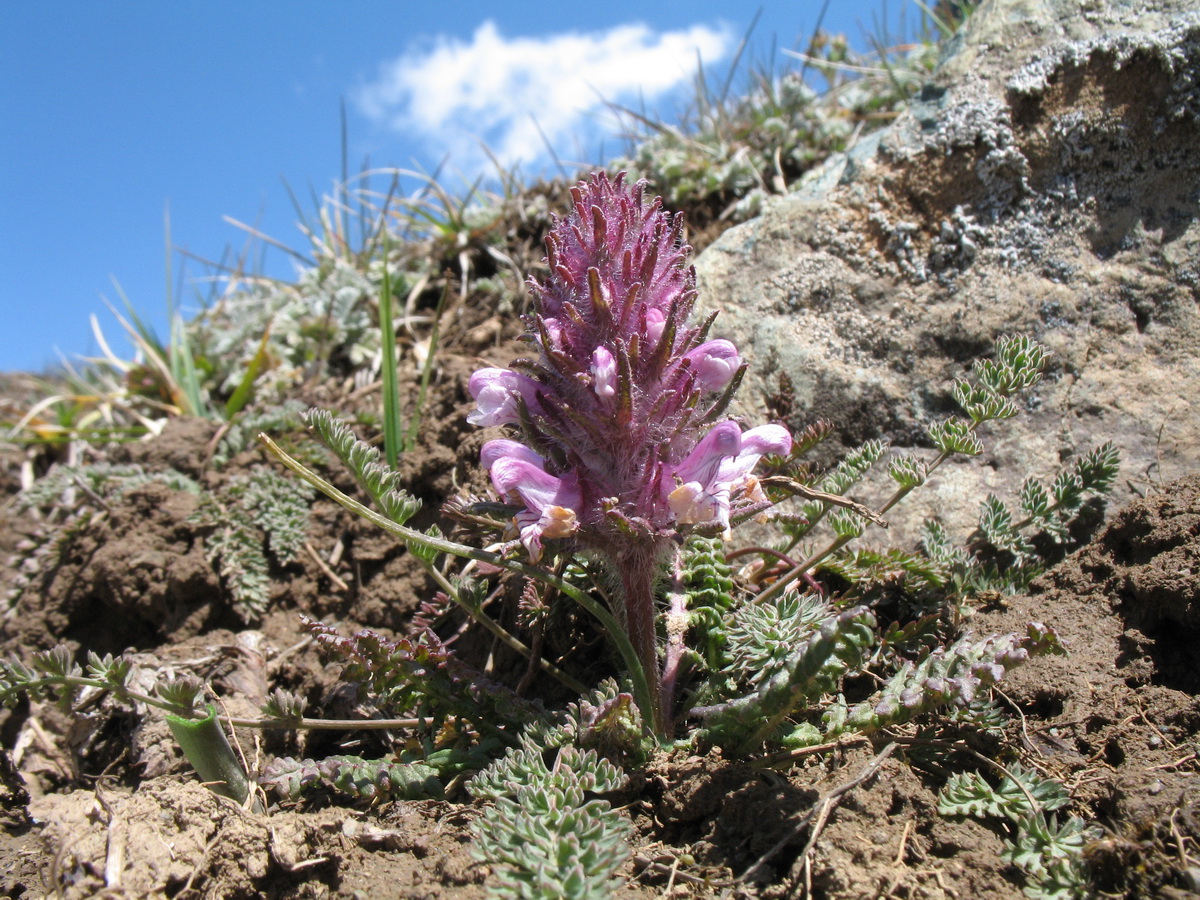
492,88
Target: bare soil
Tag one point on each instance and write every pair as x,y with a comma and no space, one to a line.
98,802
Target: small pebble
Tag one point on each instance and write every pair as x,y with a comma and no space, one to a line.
1191,877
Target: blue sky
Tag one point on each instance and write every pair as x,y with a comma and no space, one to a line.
113,112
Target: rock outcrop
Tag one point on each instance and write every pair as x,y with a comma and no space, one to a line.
1046,181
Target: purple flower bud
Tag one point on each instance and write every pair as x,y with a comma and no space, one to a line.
554,333
497,393
604,373
656,321
714,363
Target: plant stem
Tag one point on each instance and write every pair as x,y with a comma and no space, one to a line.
636,568
800,569
204,744
393,435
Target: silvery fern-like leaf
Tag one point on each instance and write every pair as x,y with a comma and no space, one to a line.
542,834
907,471
968,794
1050,855
552,843
981,403
995,521
381,483
1035,500
955,436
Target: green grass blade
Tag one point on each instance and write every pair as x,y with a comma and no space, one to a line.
183,368
241,395
393,434
149,338
414,422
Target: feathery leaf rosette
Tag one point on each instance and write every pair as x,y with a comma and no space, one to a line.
613,407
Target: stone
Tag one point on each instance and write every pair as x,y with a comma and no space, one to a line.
1044,182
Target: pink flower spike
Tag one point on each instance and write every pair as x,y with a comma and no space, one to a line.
550,502
496,393
604,373
503,447
714,363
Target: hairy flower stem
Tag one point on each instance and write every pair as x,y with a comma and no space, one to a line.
636,567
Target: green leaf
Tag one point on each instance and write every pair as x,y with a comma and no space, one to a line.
1098,468
393,435
982,403
995,521
907,471
1035,500
968,794
955,436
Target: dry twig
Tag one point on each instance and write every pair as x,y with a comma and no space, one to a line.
819,815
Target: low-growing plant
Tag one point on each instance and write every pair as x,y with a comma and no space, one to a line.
727,153
251,516
1048,853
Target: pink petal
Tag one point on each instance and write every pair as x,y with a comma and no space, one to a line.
604,373
756,443
528,482
553,522
714,363
722,442
496,393
554,332
498,449
656,321
550,502
767,440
